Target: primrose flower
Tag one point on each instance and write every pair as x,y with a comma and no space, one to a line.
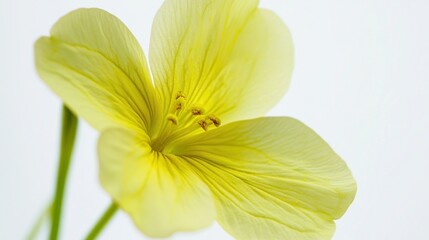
182,144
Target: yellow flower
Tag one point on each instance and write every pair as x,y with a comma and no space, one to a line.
176,153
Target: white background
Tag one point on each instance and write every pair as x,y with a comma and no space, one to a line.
361,81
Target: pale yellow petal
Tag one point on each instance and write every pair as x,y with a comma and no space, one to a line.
96,66
227,56
161,193
273,178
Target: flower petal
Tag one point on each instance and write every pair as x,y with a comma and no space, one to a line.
94,63
226,55
273,178
161,193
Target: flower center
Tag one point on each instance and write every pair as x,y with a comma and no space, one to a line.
183,120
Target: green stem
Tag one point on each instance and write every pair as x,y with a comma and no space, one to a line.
105,218
68,134
44,215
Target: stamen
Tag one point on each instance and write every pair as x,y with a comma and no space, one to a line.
184,131
197,110
191,119
180,103
172,118
180,94
203,122
215,120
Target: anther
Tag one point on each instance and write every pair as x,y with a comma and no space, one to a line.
203,124
180,102
180,94
202,121
172,118
216,121
196,110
